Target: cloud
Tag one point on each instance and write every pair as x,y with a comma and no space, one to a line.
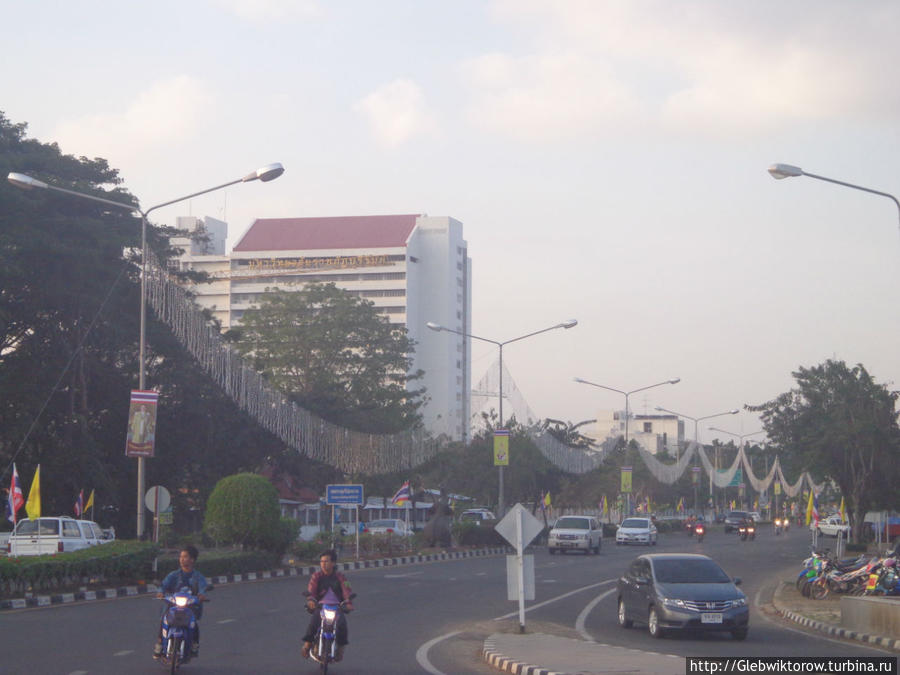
264,11
595,68
164,114
396,113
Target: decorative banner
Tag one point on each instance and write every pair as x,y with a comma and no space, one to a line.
501,447
695,475
738,477
141,434
777,487
626,479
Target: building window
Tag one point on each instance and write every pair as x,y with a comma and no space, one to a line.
458,363
648,427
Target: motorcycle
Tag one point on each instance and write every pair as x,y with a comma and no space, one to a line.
179,626
700,531
747,531
325,644
778,526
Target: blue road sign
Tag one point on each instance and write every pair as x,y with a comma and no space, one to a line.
344,494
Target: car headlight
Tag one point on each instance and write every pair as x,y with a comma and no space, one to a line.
674,602
739,602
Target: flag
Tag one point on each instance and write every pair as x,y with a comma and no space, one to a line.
33,505
547,500
605,506
809,509
843,511
79,504
90,503
16,499
756,504
401,496
541,503
815,509
680,506
648,504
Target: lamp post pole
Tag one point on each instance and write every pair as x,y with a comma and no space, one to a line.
696,420
571,323
780,171
740,438
264,174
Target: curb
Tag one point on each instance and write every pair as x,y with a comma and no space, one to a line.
829,629
501,662
308,570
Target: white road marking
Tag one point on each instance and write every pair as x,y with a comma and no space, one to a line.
226,621
124,652
422,653
401,576
579,622
558,597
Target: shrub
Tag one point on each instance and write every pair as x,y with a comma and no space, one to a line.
213,563
243,510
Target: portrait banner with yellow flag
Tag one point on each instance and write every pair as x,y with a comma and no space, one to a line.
626,480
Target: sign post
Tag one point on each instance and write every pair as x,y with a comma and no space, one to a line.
345,494
519,528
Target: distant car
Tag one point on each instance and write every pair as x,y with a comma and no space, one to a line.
831,526
733,519
575,533
756,517
57,534
477,516
681,591
636,531
388,526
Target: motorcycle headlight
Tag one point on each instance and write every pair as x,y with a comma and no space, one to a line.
181,601
674,602
329,614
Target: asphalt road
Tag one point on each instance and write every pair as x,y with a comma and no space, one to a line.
431,617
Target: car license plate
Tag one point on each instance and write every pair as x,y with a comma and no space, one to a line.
711,617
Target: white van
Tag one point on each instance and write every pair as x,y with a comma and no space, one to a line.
53,535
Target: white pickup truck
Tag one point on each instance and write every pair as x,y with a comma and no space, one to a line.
56,534
831,526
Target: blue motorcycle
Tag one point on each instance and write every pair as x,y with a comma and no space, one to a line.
179,626
325,644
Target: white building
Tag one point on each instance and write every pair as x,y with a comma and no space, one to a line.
413,268
652,432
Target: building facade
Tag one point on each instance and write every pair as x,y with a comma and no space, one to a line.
413,268
653,432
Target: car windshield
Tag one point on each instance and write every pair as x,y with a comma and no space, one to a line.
689,571
572,523
636,522
383,523
738,514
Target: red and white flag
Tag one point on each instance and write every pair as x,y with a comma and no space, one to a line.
16,498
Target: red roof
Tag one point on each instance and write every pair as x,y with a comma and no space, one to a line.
288,488
303,234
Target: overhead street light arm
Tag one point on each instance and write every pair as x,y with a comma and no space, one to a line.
781,171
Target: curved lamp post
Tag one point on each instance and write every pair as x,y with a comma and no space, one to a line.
780,171
20,180
697,419
571,323
626,394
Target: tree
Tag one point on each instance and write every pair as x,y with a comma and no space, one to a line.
842,425
335,355
567,432
243,509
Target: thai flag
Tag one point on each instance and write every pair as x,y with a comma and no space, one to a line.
815,509
401,496
79,504
16,499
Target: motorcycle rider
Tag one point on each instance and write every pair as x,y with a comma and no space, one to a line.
185,575
325,578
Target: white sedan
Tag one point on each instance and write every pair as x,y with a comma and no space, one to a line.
831,526
636,531
393,526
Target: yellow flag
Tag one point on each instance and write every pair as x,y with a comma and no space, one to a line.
90,502
605,506
843,511
809,508
547,499
33,505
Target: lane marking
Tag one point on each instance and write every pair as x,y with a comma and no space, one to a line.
401,576
557,598
422,653
226,621
580,621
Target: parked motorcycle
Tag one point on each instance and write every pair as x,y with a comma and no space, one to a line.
700,531
179,626
325,644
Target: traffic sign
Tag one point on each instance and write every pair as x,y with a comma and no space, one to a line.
344,494
531,526
157,499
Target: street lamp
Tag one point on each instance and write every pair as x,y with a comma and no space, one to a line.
780,171
20,180
740,438
571,323
675,380
696,420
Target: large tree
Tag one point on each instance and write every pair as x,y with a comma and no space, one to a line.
842,425
335,355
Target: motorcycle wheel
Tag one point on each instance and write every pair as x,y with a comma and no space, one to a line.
818,590
175,654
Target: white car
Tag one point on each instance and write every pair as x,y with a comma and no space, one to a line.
57,534
831,526
575,533
756,517
636,531
388,526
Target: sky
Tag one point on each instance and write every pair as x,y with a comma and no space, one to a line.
607,160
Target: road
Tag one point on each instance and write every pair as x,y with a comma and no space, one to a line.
411,619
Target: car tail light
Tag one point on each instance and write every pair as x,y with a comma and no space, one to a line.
59,547
390,529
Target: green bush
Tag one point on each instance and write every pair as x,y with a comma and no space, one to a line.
243,510
214,563
471,534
